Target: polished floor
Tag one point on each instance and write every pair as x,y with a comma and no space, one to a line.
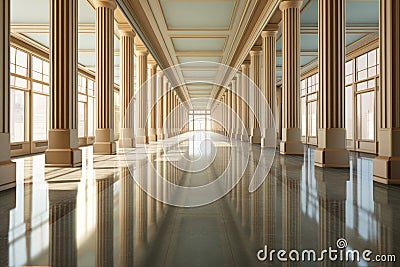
99,216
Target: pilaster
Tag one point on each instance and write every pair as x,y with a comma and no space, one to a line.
255,71
142,135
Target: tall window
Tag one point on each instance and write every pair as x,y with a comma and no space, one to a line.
361,83
309,96
40,98
199,120
85,106
18,94
349,118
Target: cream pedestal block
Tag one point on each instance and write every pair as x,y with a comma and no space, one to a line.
246,135
160,134
255,137
387,164
269,138
104,144
331,151
291,142
127,139
152,135
7,167
141,137
63,149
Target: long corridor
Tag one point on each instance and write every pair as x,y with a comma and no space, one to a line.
99,216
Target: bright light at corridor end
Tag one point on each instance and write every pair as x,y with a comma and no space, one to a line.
195,151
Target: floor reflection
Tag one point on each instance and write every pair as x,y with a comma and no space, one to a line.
99,216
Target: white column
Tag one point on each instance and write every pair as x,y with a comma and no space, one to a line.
291,132
160,99
269,58
127,43
255,72
105,143
245,89
142,136
152,107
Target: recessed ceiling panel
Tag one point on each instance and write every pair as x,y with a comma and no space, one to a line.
194,59
86,13
181,15
29,12
198,44
200,73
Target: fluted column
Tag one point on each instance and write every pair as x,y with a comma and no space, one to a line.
269,59
239,106
105,143
165,108
245,89
233,107
387,164
230,110
331,151
127,43
152,103
142,136
63,134
7,167
291,132
255,65
160,100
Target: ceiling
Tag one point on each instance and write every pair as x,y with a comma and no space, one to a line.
184,31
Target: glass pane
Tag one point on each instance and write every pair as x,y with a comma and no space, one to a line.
362,62
81,119
362,86
312,118
366,116
21,59
362,75
349,67
349,112
303,117
39,117
91,116
21,83
372,58
37,65
12,55
21,71
17,116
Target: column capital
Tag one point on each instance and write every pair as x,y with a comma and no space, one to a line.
152,66
126,30
290,4
255,53
105,3
269,33
245,64
143,53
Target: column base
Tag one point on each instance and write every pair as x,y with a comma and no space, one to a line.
387,165
63,149
159,134
386,170
104,148
291,142
142,137
8,175
126,143
269,138
255,137
104,143
69,157
331,151
127,139
152,135
244,138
